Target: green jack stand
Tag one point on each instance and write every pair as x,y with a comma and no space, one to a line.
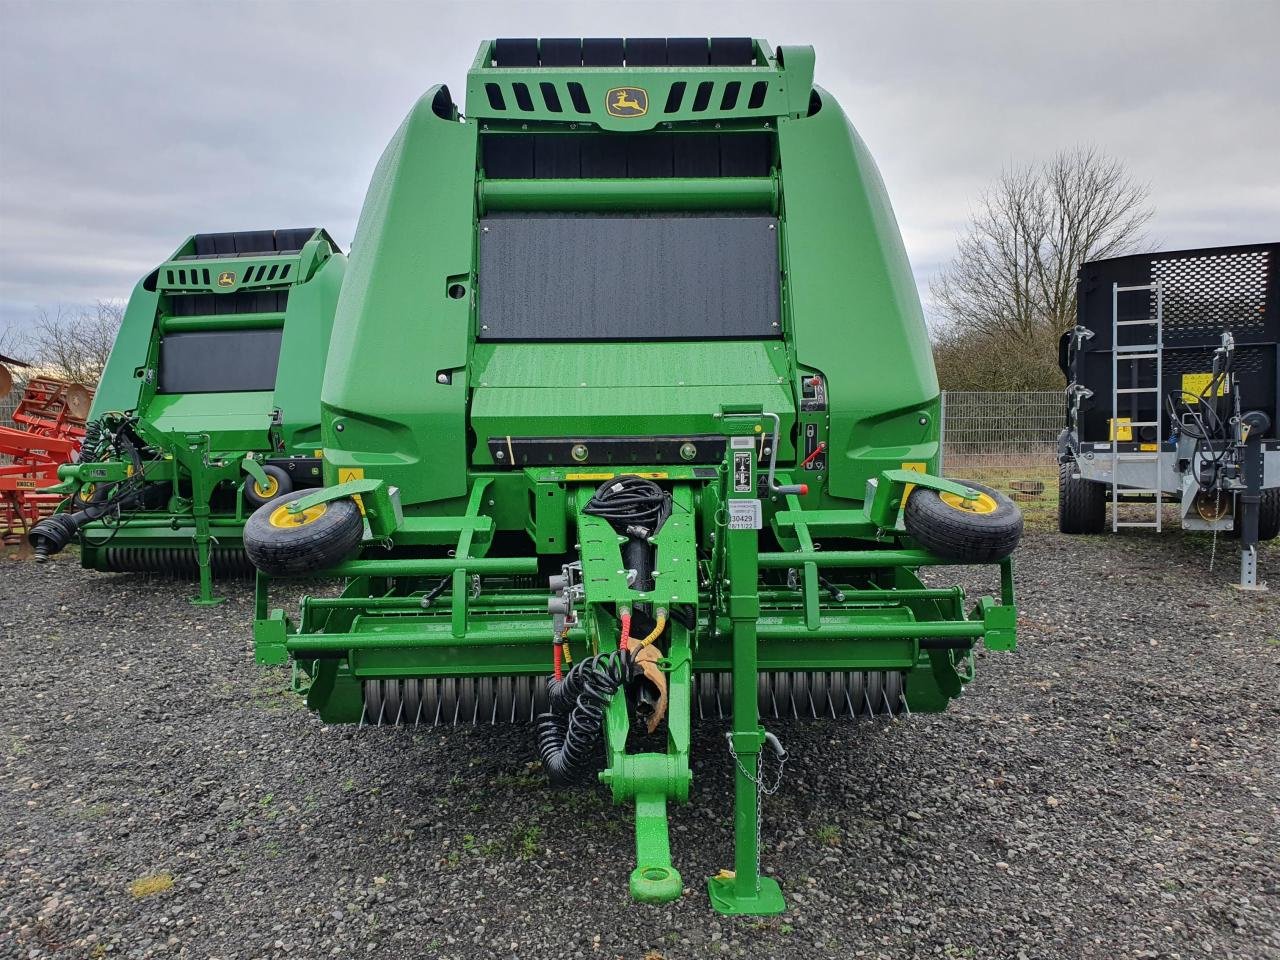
745,892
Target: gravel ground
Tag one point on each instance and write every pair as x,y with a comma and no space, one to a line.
1110,790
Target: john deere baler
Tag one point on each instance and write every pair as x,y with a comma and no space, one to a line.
630,422
209,406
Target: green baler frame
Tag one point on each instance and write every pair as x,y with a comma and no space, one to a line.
378,627
466,533
208,443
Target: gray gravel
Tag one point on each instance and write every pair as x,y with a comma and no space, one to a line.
1110,790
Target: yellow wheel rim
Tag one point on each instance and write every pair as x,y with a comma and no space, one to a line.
270,490
984,504
281,517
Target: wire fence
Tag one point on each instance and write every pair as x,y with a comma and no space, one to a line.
1005,440
1008,441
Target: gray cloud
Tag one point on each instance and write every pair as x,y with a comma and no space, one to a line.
126,126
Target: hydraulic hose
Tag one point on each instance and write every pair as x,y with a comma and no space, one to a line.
569,731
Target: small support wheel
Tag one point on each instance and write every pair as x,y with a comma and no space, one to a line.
278,484
971,531
1082,504
284,544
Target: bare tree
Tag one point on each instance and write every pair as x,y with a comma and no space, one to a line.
1011,289
74,345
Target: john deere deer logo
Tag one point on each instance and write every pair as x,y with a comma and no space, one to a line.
226,279
627,102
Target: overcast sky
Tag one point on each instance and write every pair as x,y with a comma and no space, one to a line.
126,126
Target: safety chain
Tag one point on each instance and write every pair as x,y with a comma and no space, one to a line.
1217,506
762,790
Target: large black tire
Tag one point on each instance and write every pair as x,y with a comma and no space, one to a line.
974,532
1082,504
281,545
1268,516
278,484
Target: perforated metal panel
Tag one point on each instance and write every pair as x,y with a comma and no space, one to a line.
628,277
1209,293
221,361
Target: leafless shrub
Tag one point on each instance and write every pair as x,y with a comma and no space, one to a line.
73,345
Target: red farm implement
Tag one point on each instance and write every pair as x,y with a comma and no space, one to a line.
47,430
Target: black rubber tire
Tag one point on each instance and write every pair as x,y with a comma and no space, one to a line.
958,534
1269,514
1082,504
284,484
291,551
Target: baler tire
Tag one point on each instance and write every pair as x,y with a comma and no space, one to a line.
327,537
282,483
1082,504
959,533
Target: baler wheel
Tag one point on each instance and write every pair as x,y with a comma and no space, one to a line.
278,484
282,544
971,531
1082,504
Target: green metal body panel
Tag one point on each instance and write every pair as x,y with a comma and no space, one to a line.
849,281
539,389
396,321
452,582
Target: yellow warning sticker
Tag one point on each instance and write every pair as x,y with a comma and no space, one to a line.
916,466
609,476
346,474
1197,383
1121,429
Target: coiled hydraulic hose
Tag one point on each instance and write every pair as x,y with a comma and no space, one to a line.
92,439
569,731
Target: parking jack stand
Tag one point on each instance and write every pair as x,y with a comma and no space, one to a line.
745,891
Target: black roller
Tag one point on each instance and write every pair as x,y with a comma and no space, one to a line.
180,562
780,695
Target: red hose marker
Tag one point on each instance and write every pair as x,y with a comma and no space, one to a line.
625,637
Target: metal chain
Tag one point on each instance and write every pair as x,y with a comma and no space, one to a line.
1217,507
762,790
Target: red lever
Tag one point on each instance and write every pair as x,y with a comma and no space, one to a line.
813,456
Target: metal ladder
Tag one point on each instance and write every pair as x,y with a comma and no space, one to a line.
1135,353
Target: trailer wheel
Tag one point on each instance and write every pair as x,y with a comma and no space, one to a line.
1269,514
278,484
282,544
976,531
1082,504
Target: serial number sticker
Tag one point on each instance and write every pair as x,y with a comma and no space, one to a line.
742,443
745,515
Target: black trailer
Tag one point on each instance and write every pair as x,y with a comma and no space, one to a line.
1173,394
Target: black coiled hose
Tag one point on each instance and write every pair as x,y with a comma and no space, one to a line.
92,440
571,729
635,507
630,501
